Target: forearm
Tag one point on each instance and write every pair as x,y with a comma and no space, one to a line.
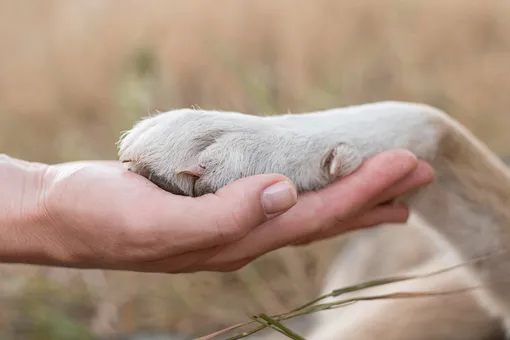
21,215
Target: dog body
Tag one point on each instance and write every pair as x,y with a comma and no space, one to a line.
464,215
392,250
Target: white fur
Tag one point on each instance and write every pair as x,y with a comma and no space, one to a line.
191,152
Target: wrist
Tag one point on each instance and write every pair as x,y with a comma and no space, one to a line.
21,212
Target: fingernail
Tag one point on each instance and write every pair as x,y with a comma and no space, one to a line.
279,197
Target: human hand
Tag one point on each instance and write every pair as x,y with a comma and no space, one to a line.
97,215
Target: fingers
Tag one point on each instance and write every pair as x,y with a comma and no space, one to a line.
386,213
422,176
397,213
316,212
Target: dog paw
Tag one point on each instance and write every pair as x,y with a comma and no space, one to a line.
192,153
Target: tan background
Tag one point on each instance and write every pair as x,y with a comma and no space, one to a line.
74,73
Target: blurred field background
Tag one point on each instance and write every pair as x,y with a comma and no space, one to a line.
74,74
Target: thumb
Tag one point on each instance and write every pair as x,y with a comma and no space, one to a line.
249,202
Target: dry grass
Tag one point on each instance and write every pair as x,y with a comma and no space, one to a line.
73,74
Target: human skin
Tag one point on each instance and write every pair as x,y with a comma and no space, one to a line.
95,214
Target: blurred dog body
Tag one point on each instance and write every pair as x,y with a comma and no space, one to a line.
400,250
